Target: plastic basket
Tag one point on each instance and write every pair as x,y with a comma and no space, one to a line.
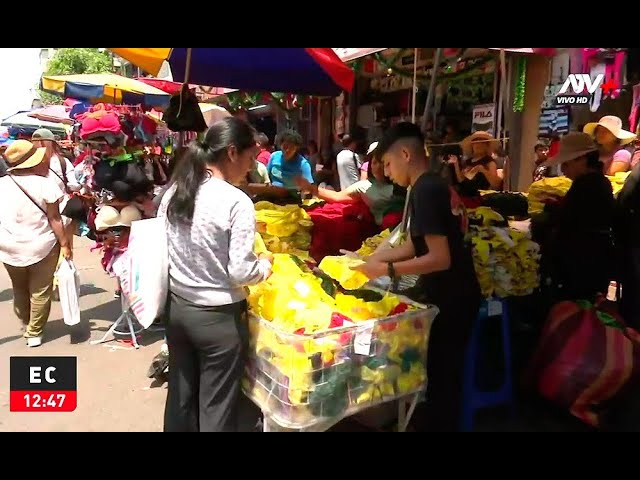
301,381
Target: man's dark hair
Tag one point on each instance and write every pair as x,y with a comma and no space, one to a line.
290,136
399,131
263,140
540,146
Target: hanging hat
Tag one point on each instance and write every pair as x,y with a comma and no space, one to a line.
573,145
479,137
614,125
23,154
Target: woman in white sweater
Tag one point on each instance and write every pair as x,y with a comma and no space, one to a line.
211,232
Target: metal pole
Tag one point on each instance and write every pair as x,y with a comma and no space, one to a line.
415,85
432,88
503,84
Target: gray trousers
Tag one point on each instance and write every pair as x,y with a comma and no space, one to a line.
207,355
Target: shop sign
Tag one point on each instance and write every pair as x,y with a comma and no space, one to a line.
484,118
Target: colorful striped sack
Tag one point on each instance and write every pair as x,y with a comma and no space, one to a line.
586,357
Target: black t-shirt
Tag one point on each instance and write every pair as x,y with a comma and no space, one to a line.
431,214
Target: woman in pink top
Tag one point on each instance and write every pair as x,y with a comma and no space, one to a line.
611,139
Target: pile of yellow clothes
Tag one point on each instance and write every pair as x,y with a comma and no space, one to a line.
617,181
539,191
294,298
287,228
370,245
307,355
506,260
559,186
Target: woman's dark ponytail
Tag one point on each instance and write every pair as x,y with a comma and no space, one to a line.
191,167
189,174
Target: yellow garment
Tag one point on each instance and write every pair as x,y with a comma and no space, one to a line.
282,220
258,245
617,182
506,261
371,244
340,269
538,191
486,214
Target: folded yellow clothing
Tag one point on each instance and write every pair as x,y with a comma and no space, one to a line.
340,269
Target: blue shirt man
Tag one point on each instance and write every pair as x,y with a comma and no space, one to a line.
287,164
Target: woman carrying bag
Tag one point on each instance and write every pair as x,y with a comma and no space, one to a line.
31,235
211,232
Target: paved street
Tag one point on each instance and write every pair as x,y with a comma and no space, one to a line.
113,391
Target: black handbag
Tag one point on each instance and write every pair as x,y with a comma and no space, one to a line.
183,113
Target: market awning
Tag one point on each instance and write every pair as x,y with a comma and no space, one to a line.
53,113
105,87
311,71
23,123
174,87
540,51
349,54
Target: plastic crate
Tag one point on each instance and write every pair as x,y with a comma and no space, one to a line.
301,381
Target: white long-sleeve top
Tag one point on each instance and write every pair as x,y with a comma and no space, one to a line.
212,260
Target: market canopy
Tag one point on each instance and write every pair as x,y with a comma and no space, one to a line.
540,51
24,123
105,87
310,71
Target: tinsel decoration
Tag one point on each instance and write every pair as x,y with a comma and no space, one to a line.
518,99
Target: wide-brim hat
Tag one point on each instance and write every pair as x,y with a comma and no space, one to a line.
573,145
23,154
614,125
478,137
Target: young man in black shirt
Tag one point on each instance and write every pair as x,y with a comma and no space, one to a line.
436,250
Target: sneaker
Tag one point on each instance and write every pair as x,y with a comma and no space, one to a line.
34,341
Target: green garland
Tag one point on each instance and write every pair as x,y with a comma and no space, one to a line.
471,65
245,100
518,99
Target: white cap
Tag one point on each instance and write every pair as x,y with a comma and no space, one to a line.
372,147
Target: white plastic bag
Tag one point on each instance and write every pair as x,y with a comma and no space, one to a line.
148,276
69,290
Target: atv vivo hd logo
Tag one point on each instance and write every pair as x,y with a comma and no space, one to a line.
583,88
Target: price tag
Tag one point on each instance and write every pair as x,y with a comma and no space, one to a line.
362,341
495,308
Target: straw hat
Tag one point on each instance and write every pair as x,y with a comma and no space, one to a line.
478,137
614,125
573,145
23,154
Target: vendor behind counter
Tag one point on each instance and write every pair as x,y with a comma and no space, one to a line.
577,248
287,164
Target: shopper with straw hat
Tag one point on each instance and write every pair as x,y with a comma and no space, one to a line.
578,255
31,235
481,168
611,139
